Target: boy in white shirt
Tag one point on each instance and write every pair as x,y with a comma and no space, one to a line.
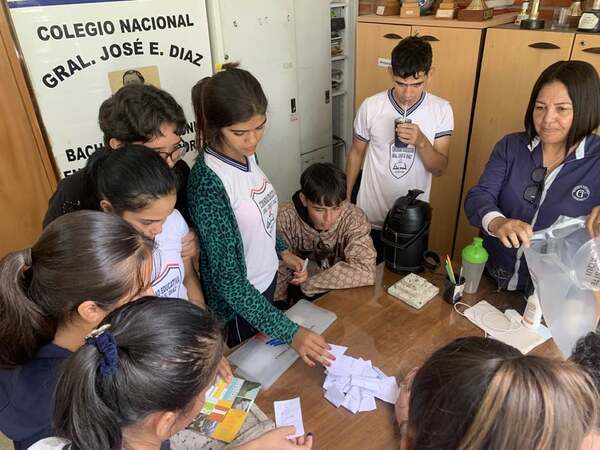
403,156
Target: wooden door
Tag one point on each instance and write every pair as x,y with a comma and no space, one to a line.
512,61
453,76
587,48
374,45
26,175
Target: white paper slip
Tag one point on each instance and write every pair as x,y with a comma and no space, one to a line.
288,412
335,396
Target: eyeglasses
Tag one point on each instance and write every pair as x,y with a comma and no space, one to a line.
177,153
533,192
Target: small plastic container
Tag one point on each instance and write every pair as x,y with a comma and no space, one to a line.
474,257
453,293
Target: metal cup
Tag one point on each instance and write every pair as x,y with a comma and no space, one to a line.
397,142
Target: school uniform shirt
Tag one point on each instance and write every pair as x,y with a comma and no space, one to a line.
254,203
572,189
169,270
56,443
27,396
390,172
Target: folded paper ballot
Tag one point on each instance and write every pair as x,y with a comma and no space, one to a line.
355,383
414,290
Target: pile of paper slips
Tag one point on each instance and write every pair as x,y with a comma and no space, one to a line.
355,383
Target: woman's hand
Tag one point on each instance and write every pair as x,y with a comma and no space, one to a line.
296,264
512,232
593,222
277,440
224,370
311,347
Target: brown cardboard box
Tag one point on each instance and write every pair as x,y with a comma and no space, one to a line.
388,8
410,11
447,5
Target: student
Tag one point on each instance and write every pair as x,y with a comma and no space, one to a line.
535,176
481,394
234,208
135,114
113,394
333,234
390,170
52,295
138,186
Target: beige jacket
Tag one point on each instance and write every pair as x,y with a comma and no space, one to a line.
339,258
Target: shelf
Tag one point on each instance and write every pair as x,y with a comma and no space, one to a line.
338,93
338,5
338,57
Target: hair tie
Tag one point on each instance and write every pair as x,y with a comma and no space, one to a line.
27,258
106,344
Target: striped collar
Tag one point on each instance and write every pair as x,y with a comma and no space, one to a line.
226,159
399,108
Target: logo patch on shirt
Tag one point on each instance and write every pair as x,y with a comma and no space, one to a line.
401,160
580,193
168,282
265,199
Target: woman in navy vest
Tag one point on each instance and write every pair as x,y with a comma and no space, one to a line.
550,169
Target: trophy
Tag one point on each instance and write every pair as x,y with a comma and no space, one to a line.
533,23
477,11
590,19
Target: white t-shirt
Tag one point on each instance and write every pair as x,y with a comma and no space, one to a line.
254,203
168,272
390,172
51,443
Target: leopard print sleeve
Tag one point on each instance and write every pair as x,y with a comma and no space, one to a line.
222,264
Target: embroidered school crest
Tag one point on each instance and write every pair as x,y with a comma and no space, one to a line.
265,199
580,193
401,159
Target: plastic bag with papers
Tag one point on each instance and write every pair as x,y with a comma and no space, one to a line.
565,268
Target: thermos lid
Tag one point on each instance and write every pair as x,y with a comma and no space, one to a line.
475,253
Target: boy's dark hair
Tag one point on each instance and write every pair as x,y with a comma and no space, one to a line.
230,96
324,184
411,57
136,112
167,352
583,85
129,178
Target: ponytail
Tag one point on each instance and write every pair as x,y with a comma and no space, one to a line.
23,325
152,355
230,96
85,255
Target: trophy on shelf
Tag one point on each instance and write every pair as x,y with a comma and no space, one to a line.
590,19
532,22
477,11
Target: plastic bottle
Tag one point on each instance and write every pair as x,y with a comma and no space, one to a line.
533,312
474,257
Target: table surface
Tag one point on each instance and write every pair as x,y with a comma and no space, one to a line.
396,338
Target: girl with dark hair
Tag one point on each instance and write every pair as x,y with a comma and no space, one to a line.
481,394
234,208
52,295
549,170
141,378
138,186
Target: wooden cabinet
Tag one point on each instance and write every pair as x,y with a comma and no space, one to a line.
374,45
512,60
26,175
456,54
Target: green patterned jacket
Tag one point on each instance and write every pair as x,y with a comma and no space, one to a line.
222,264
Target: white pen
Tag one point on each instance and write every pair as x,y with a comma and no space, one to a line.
304,267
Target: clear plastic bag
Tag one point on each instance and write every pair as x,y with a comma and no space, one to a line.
564,263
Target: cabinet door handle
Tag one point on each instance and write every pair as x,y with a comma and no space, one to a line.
392,36
544,45
429,38
595,50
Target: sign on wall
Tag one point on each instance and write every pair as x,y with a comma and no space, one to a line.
79,52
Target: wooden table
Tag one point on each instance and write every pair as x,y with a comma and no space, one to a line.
396,338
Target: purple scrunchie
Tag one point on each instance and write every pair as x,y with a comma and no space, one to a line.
107,346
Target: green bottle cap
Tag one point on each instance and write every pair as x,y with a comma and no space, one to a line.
475,253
